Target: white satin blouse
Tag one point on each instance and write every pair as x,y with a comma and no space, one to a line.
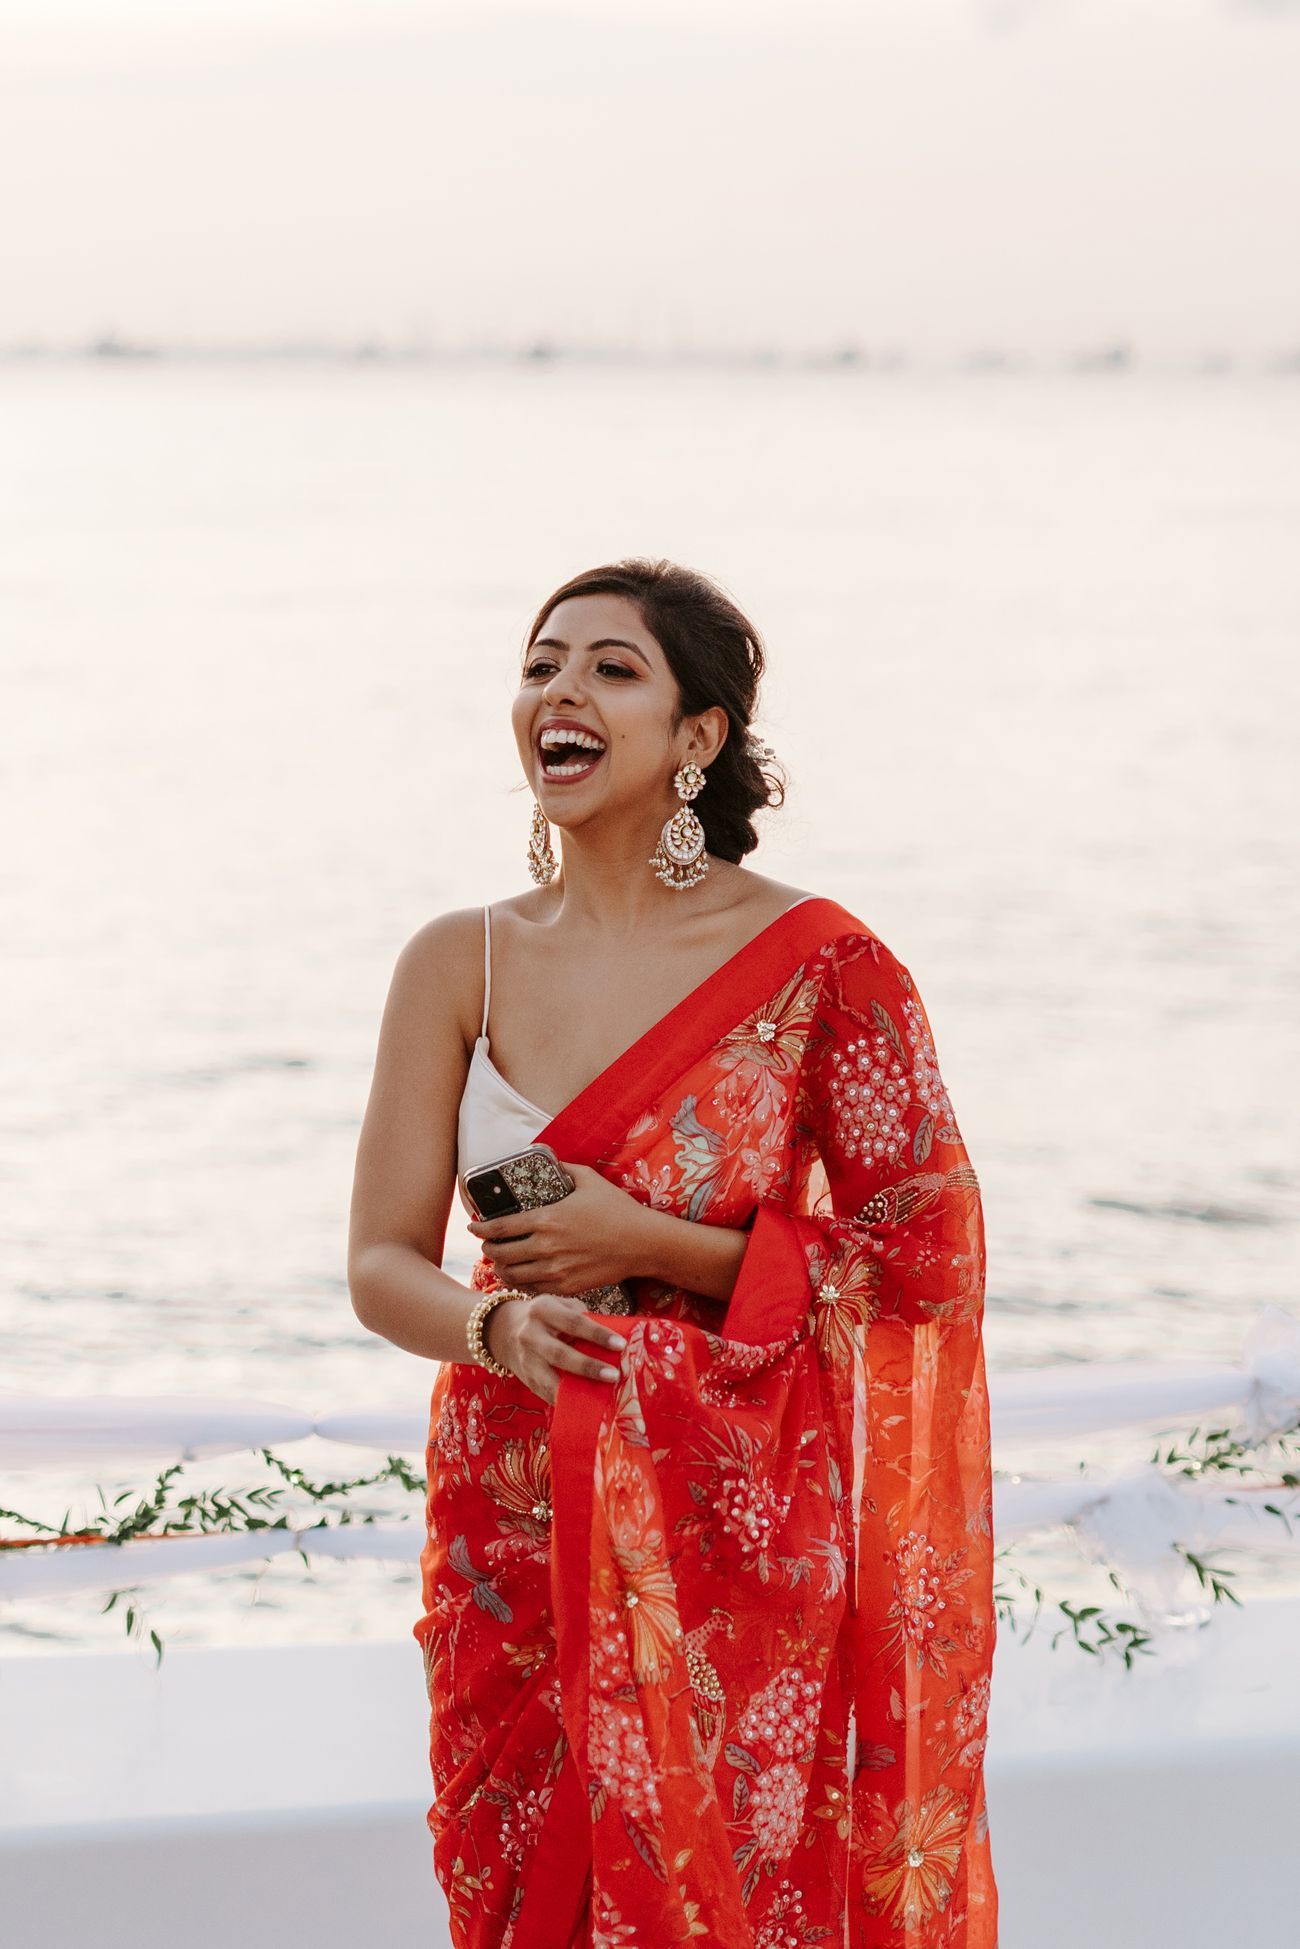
494,1118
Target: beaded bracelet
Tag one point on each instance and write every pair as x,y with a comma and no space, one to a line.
478,1351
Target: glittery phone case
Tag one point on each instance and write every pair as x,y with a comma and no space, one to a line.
535,1177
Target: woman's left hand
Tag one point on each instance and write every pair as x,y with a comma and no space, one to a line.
589,1238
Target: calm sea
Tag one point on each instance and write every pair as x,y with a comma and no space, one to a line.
1034,664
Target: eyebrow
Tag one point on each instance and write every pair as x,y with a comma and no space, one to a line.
602,643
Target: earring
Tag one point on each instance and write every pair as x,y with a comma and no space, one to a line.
541,860
679,860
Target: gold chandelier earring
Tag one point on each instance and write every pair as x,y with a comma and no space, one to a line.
541,860
679,860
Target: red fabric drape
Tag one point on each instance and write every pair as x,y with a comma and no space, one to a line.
709,1649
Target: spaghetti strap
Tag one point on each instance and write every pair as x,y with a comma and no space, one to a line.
487,965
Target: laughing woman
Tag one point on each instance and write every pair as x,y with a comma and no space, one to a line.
707,1591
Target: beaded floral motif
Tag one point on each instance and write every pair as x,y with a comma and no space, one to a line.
652,1353
750,1512
968,1721
772,1752
775,1805
519,1482
640,1577
916,1851
879,1079
735,1362
785,1926
925,1582
926,1080
522,1815
760,1057
460,1432
870,1096
634,1630
844,1282
620,1758
784,1715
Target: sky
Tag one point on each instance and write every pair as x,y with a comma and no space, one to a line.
936,176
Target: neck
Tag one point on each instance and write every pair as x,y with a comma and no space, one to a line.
609,884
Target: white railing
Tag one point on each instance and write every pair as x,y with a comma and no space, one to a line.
1132,1517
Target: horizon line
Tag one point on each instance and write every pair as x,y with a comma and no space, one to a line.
1112,355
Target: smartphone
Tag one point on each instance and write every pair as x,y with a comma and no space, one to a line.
520,1182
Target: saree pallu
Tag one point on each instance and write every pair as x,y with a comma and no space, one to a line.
708,1649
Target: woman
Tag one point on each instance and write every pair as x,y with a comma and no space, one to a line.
708,1622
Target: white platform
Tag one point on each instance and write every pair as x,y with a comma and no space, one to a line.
262,1799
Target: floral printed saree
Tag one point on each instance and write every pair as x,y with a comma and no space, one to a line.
708,1649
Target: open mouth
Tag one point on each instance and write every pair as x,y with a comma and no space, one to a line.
569,754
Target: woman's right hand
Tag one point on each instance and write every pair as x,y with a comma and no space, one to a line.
525,1336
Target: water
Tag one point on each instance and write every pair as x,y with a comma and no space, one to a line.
1033,672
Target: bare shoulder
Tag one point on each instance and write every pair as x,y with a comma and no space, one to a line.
535,905
743,891
448,945
442,965
760,893
447,936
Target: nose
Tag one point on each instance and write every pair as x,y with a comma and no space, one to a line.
563,688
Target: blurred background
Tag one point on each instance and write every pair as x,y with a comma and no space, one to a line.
960,342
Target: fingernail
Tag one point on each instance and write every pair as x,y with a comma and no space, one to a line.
609,1373
612,1340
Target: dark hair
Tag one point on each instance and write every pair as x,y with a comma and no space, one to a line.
717,657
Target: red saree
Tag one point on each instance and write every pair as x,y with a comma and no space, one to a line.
708,1649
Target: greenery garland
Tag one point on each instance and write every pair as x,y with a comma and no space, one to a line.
215,1511
207,1513
1204,1453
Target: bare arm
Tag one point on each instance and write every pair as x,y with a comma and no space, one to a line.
684,1253
405,1174
406,1167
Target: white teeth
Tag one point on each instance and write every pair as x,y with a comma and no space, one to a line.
549,740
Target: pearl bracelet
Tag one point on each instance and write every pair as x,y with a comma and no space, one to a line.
478,1351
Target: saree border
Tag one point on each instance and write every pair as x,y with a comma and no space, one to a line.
602,1113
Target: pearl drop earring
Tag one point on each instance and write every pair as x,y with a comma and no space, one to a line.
679,859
